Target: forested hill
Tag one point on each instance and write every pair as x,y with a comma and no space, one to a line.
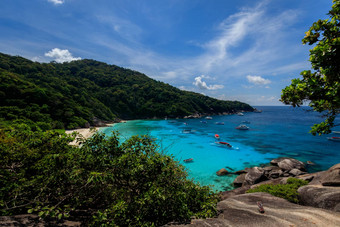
68,95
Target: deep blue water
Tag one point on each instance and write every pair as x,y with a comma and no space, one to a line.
276,132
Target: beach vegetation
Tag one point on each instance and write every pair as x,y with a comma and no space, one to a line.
320,88
101,182
286,191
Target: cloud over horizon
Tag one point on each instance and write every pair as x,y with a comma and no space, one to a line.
61,56
203,85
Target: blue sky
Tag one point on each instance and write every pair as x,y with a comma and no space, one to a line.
242,50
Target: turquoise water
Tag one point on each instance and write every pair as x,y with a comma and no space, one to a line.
276,132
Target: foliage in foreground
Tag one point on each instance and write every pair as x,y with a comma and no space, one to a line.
321,88
287,191
129,184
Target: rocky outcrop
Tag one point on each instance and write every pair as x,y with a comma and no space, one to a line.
323,191
254,175
287,164
325,197
332,176
242,210
280,167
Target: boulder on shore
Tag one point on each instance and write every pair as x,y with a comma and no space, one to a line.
254,175
242,210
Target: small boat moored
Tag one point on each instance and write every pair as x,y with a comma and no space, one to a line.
242,127
334,138
208,118
240,114
188,160
223,144
219,123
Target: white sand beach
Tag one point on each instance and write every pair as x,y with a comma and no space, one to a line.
85,132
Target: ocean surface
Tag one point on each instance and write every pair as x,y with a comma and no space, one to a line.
279,131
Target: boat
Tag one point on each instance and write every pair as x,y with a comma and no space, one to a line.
257,111
217,136
219,123
240,114
188,160
208,118
334,138
337,132
204,122
246,122
186,131
223,144
242,127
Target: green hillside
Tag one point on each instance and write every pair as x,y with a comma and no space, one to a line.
75,94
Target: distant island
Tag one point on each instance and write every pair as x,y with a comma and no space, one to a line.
87,93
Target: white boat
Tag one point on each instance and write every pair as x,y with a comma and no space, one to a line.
334,138
208,118
242,127
337,132
240,114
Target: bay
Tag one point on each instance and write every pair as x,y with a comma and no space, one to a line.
279,131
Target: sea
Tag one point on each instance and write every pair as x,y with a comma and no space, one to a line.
279,131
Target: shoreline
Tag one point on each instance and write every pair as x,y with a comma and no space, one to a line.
85,132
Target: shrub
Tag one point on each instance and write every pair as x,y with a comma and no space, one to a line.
119,184
287,191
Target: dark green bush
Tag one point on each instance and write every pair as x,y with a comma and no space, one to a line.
287,191
128,184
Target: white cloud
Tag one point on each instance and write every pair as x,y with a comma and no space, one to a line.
56,2
61,56
258,80
203,85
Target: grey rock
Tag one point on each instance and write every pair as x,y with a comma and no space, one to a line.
320,196
242,211
238,182
332,176
289,164
296,172
254,176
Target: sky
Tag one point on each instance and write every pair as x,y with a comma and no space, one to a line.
241,50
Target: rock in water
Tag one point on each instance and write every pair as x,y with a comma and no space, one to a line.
222,172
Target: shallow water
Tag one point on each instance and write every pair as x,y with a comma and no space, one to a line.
276,132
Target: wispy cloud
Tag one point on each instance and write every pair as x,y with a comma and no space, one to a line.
199,83
257,80
56,2
61,56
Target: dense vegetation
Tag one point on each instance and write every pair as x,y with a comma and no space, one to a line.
321,88
287,191
107,182
74,94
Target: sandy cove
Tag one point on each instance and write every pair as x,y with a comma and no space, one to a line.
85,132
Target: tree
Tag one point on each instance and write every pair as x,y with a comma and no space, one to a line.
103,182
321,88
